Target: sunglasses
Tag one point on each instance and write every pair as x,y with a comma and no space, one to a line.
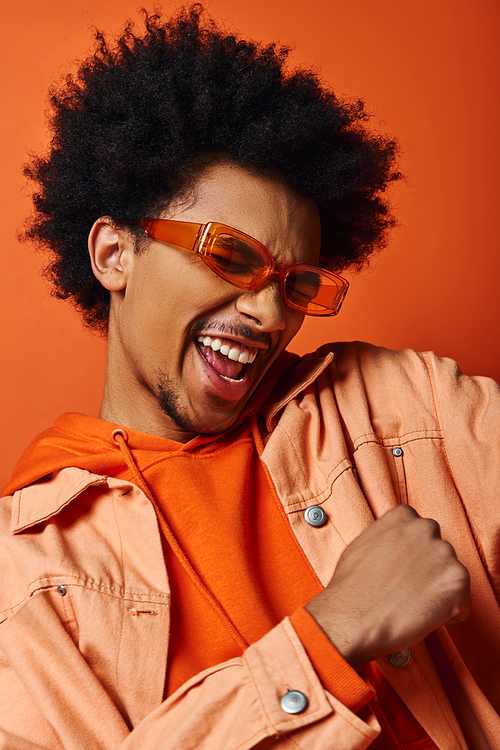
245,263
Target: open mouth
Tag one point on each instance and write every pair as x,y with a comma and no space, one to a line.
229,359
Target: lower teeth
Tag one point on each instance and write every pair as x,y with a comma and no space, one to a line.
231,380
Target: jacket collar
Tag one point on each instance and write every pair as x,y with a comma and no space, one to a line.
48,496
40,501
293,382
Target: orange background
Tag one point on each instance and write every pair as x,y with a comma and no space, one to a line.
429,71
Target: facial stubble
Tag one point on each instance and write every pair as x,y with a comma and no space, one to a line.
170,402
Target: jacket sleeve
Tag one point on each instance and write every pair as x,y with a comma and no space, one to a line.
232,705
237,705
468,410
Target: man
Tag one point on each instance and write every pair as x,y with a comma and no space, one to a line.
201,566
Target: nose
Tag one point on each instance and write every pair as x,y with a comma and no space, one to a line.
265,305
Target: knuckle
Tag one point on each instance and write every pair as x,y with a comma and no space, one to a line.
407,510
402,513
463,575
450,549
451,555
446,555
433,527
458,575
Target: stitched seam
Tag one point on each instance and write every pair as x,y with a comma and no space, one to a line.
299,505
281,508
289,739
19,506
304,663
71,616
65,610
398,438
417,433
96,590
297,457
310,714
437,699
399,466
94,586
371,434
63,502
304,475
332,471
348,720
195,456
336,529
403,467
284,401
286,520
123,575
258,735
261,698
376,438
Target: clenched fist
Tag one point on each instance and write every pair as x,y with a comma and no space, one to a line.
393,585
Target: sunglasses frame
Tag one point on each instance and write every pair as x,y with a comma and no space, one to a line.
199,238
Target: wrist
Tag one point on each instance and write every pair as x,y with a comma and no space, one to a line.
336,632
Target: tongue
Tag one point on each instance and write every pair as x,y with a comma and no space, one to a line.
221,364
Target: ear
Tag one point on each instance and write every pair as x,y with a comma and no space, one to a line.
111,251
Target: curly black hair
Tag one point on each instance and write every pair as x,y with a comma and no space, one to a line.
132,127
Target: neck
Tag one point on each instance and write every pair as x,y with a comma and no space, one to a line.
129,401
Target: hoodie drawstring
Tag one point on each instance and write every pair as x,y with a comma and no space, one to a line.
120,438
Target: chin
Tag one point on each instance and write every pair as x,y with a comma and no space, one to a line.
212,422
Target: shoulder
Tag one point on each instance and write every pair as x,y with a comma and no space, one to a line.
401,387
401,372
369,359
383,378
397,389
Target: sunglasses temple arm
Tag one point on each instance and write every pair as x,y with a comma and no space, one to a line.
182,234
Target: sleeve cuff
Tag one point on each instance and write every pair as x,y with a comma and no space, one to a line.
335,674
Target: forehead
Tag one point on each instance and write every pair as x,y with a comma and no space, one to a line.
261,206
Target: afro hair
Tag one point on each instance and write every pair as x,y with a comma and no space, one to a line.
131,127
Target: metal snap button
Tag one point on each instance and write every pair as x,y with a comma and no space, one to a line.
294,702
400,658
397,451
315,515
62,590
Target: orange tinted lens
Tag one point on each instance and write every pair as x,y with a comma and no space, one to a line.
236,260
313,291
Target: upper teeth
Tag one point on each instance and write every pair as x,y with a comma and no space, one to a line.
231,352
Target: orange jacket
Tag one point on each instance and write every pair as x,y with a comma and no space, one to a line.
85,600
